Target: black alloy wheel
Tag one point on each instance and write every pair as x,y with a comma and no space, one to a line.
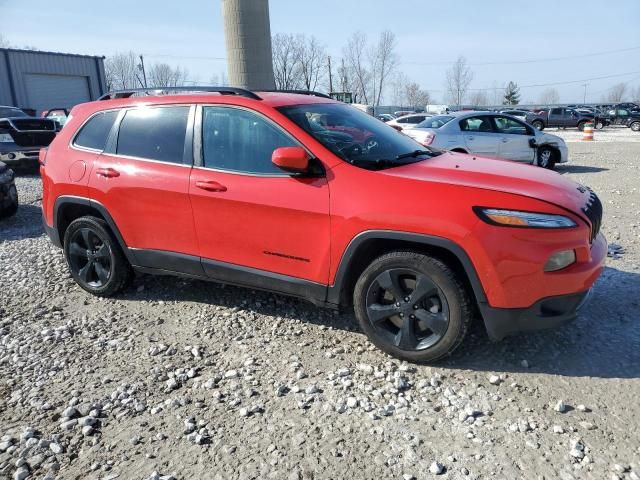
412,306
408,309
94,256
90,257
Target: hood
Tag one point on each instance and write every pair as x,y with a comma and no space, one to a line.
497,175
548,138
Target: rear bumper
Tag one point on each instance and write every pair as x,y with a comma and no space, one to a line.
550,312
20,157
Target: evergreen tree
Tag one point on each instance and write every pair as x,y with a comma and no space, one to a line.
511,94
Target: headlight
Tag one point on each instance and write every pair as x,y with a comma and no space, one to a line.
516,218
6,138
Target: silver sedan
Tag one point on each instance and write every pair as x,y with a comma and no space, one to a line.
491,135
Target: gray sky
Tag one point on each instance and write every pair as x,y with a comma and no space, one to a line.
491,34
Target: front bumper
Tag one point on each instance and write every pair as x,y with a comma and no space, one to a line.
550,312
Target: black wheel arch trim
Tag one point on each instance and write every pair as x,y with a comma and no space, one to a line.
334,291
87,202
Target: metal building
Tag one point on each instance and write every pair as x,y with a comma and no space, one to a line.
43,80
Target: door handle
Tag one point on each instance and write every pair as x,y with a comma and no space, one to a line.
469,137
505,140
107,172
210,186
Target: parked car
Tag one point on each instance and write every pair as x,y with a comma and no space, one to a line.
407,122
386,117
493,135
22,136
402,113
8,192
531,118
564,117
237,187
623,116
60,115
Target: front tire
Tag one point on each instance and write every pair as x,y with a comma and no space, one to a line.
538,125
546,158
412,306
635,126
94,257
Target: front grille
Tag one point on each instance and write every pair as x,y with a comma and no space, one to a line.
36,124
593,211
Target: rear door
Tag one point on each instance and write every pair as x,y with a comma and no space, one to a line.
479,135
514,137
142,179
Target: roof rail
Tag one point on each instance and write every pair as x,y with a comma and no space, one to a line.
157,90
299,92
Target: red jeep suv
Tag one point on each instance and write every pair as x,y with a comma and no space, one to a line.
251,189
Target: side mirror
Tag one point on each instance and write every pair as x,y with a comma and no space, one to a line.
291,159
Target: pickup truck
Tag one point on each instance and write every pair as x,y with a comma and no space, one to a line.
625,117
22,136
564,117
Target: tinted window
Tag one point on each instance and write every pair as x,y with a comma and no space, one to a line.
154,133
556,111
95,132
241,141
476,124
511,126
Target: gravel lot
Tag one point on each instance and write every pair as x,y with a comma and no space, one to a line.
195,380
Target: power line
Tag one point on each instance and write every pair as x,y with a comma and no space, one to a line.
536,60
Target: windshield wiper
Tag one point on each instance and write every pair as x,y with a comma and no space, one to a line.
415,153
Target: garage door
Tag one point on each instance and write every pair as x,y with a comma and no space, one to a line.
50,91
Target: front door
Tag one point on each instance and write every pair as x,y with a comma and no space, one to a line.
514,139
142,179
255,223
479,135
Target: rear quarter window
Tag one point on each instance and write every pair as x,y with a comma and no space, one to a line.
95,132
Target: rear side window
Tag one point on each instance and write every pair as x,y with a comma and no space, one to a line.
435,122
95,132
154,133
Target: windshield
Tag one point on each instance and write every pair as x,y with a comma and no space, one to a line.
355,136
11,112
435,122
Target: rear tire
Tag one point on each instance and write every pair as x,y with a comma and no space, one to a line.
599,125
412,306
94,257
547,158
538,125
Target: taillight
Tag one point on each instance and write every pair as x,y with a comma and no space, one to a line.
428,139
42,156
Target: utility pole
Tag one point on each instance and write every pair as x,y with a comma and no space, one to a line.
330,78
584,98
144,73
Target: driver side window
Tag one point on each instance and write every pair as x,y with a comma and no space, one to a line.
240,141
476,124
510,126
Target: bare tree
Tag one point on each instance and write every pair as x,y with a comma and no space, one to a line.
617,93
4,43
354,54
383,61
311,59
416,96
459,77
164,75
635,95
398,87
121,71
550,96
479,98
286,68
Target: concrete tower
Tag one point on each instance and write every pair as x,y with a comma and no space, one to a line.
248,40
